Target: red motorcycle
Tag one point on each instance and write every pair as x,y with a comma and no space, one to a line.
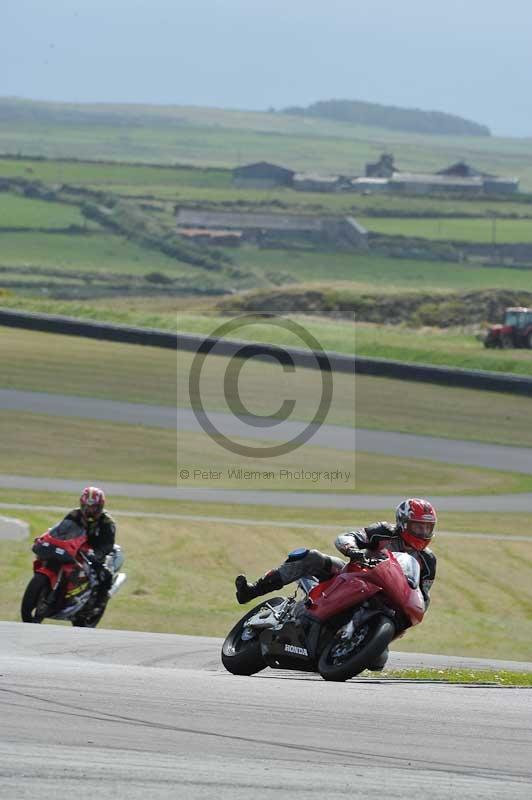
341,627
64,584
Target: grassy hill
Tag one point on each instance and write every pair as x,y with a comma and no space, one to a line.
219,137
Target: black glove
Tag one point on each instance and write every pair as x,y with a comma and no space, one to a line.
354,554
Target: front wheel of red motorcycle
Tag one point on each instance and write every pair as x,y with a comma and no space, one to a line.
343,658
36,591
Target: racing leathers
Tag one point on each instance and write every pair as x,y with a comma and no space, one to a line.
312,563
101,538
384,536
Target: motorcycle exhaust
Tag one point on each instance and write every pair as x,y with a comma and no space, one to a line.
121,578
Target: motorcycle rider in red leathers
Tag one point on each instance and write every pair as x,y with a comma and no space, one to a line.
412,532
101,530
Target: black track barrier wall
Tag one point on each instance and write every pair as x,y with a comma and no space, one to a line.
336,362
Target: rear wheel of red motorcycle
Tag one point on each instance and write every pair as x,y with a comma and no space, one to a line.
343,659
36,590
242,656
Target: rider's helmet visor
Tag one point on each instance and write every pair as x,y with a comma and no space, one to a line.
423,530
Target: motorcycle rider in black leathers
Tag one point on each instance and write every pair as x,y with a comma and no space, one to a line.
101,531
415,521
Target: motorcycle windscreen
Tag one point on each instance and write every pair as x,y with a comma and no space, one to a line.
66,530
60,543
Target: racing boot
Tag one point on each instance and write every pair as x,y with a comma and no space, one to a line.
248,591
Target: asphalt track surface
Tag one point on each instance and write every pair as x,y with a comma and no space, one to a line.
501,457
139,715
515,459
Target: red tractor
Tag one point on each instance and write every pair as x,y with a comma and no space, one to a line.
515,331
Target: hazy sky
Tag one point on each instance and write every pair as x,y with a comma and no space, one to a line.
433,54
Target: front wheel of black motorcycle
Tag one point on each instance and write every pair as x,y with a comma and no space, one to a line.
88,620
241,653
36,591
344,658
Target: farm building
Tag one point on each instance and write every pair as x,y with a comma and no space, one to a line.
458,178
383,168
419,183
491,184
268,229
220,238
262,175
501,185
304,182
463,170
369,185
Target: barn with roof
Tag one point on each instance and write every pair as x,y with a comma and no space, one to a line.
262,175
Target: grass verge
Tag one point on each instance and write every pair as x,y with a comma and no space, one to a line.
463,676
64,447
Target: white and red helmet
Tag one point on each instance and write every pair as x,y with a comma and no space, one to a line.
416,519
91,503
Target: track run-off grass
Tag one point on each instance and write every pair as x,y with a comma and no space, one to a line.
485,677
63,447
73,365
481,600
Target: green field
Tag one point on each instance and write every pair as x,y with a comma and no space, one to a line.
373,271
501,231
112,254
213,186
24,212
488,616
219,137
94,252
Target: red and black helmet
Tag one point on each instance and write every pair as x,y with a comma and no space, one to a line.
91,503
416,519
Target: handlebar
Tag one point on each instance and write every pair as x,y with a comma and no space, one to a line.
361,557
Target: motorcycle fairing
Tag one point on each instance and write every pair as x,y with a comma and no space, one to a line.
339,593
286,647
71,585
72,608
357,583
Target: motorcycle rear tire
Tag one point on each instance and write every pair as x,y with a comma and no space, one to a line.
244,657
381,631
37,588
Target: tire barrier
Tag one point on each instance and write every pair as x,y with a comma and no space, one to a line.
339,362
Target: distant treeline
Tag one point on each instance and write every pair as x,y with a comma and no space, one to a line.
400,119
